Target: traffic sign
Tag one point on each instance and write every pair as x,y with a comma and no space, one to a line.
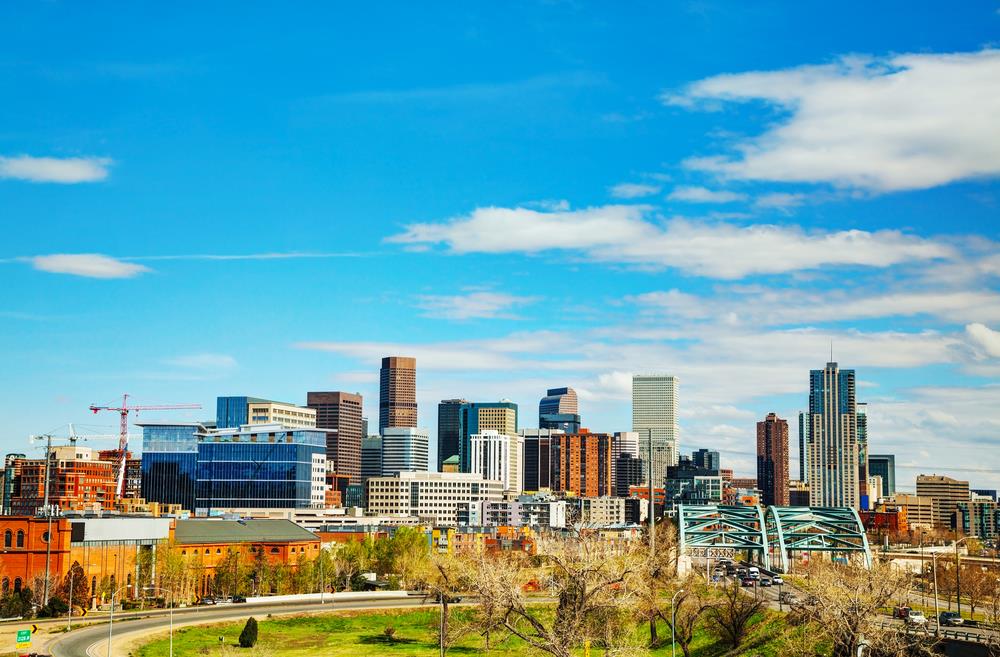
34,628
24,639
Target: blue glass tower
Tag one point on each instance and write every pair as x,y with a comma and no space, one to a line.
169,462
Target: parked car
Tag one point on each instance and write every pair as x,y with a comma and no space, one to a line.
747,581
950,618
765,581
914,617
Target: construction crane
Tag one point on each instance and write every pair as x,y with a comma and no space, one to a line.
123,411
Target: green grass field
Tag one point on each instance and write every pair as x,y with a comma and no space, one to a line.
361,633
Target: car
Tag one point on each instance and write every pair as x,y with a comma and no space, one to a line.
765,581
915,617
901,611
747,581
777,581
239,598
950,618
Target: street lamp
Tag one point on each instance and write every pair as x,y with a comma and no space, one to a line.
111,619
937,617
171,614
673,623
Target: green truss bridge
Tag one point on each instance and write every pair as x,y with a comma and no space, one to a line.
771,537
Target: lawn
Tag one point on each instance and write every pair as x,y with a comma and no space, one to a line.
352,633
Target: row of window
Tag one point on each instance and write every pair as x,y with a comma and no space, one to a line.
8,539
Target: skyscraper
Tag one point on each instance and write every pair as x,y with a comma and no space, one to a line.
404,449
581,464
833,438
946,494
397,403
537,458
803,447
861,413
340,412
654,417
707,459
449,429
371,457
772,460
559,409
498,457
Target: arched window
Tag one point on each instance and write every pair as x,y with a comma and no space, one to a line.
17,584
207,551
20,538
275,550
218,550
6,585
8,538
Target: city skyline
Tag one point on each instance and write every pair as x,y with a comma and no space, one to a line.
618,196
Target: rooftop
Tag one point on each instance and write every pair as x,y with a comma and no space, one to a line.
208,530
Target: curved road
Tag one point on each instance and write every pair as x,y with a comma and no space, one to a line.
92,640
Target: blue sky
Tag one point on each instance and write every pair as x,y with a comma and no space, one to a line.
253,199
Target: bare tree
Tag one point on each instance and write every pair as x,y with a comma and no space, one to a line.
661,572
690,604
447,576
596,586
732,614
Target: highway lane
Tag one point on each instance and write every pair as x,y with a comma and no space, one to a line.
92,640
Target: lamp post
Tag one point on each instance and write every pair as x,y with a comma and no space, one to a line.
958,577
937,617
171,614
673,623
111,619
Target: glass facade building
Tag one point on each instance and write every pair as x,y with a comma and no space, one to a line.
884,465
449,429
568,422
476,417
169,462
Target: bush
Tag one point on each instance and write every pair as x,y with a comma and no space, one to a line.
248,637
389,633
55,607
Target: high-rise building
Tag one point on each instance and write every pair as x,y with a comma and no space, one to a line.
979,516
798,493
919,510
772,460
371,457
946,493
340,413
476,417
449,435
861,415
629,471
689,483
404,449
654,418
235,412
833,438
707,459
397,402
170,461
581,464
884,465
626,442
803,447
559,409
538,458
498,457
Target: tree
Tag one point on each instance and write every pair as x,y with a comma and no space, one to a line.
596,586
976,586
248,637
689,605
17,603
661,571
409,554
80,586
732,614
447,578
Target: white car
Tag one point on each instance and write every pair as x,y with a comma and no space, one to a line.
914,617
777,581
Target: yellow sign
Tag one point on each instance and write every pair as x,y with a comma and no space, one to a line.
34,629
586,648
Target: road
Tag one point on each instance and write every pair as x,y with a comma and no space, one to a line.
92,641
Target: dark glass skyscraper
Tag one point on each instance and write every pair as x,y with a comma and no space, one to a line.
883,465
449,433
833,453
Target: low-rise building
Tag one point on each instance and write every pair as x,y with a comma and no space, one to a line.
601,511
438,497
919,510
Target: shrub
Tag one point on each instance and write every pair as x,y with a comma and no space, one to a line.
389,633
248,637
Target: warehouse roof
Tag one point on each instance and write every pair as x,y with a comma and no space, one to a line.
208,530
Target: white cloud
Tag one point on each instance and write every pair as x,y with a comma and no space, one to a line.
779,200
90,265
622,233
55,170
908,121
704,195
984,337
634,190
488,305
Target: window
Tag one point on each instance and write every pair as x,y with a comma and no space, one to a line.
6,585
8,538
218,550
17,584
274,550
20,541
45,537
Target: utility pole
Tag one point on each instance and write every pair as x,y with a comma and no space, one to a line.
48,513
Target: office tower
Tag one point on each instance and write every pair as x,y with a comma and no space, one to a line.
341,413
438,498
798,493
861,414
449,435
629,471
979,517
170,460
364,427
919,510
371,457
404,449
237,411
689,483
654,418
264,466
945,494
559,409
982,492
626,442
476,417
833,439
397,401
706,459
803,447
772,460
537,458
581,464
884,465
498,457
